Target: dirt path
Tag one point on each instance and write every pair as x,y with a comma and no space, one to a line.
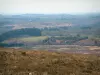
80,51
84,51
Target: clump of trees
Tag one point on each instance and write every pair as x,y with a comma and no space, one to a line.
20,32
85,28
71,39
76,38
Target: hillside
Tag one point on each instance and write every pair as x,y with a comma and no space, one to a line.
28,62
20,33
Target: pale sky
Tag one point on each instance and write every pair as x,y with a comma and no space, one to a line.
49,6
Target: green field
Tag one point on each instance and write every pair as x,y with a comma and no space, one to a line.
33,39
26,39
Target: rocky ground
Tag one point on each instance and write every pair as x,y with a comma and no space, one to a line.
36,62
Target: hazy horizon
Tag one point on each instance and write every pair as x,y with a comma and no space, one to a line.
49,6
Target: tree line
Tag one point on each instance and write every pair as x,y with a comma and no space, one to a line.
20,33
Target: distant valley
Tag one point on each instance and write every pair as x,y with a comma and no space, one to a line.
50,29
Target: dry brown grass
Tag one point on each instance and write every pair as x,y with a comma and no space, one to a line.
23,62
